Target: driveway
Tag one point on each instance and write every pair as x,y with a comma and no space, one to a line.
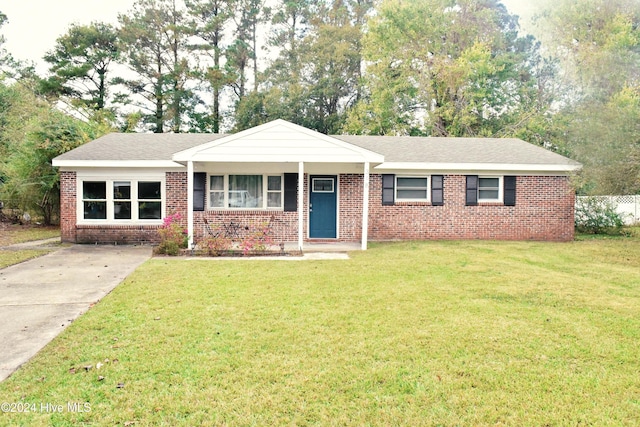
41,297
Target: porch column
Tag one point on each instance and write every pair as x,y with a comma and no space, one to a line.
190,203
365,207
300,204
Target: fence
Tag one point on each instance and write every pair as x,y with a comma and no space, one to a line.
627,206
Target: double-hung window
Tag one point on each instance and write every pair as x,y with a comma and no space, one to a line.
489,189
412,188
120,200
245,191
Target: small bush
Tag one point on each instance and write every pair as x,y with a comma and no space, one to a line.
597,215
258,239
172,236
216,246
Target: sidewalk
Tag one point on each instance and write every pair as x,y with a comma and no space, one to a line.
39,298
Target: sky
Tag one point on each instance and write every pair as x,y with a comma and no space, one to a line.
34,25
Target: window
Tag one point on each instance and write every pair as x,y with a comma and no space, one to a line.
121,200
323,185
412,188
149,200
94,199
216,191
488,189
274,192
245,191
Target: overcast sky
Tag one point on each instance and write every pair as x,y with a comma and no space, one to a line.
34,25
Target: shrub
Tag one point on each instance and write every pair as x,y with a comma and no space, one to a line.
172,236
597,215
215,246
258,239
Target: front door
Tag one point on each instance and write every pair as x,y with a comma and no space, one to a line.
323,207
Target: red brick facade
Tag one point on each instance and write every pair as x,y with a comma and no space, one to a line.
544,210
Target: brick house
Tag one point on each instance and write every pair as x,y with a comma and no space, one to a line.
312,187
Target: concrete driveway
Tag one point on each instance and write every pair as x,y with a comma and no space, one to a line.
40,297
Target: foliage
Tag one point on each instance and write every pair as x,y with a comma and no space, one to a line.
154,42
173,235
598,45
443,70
216,245
30,136
80,64
597,215
409,333
257,239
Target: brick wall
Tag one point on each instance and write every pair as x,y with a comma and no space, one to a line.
68,206
544,211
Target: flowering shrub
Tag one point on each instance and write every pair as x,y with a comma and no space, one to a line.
258,239
216,245
595,215
172,235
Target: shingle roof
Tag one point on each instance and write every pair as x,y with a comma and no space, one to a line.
457,150
138,146
135,146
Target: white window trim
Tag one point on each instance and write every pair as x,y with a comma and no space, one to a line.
397,199
500,189
110,220
265,192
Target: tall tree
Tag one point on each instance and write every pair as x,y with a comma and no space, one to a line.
598,45
242,54
212,18
316,76
80,64
440,68
154,37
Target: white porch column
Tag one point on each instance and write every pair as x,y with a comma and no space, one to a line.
300,204
190,203
365,207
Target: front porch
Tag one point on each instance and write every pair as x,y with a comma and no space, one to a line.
282,175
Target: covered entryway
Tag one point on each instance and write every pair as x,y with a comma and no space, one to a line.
280,148
323,207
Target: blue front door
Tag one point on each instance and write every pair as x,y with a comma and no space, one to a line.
323,207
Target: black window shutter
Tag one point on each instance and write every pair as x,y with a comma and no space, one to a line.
388,189
509,190
290,192
437,190
472,190
199,193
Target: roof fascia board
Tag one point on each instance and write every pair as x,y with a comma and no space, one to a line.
477,167
117,164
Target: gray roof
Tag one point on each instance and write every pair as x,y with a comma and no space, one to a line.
138,146
457,150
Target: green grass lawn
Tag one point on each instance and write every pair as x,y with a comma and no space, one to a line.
12,234
429,333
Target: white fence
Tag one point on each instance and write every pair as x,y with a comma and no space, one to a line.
627,206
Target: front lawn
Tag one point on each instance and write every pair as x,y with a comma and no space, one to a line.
430,333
